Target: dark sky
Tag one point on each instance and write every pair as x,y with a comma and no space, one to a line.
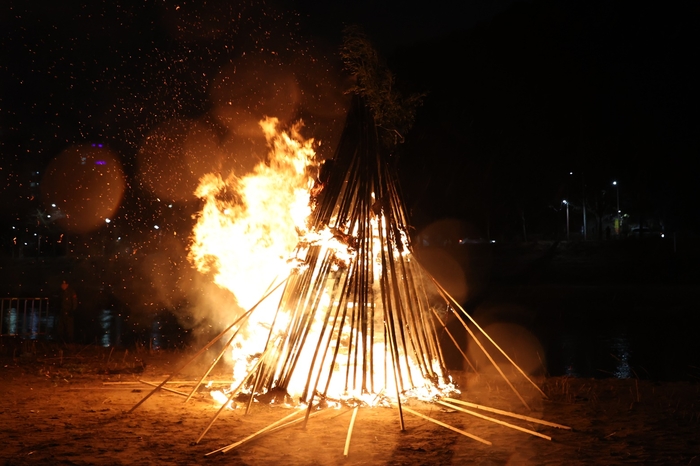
518,93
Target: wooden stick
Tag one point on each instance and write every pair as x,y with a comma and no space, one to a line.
489,338
240,442
352,424
274,429
252,436
454,429
487,354
211,367
497,421
232,394
206,347
163,388
453,340
507,413
176,382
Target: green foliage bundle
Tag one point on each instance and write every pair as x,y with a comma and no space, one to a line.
375,83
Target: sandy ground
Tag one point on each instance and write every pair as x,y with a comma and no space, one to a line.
75,408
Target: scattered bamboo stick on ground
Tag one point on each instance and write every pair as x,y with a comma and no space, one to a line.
176,382
164,388
497,421
252,436
352,424
507,413
447,426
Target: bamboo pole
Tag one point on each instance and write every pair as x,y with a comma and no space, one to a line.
490,358
206,347
211,367
454,429
177,392
231,395
176,382
494,420
252,436
454,340
507,413
352,424
488,337
394,356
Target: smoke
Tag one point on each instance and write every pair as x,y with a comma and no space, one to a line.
199,101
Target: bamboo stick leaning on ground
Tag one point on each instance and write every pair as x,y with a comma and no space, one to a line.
451,300
350,427
494,420
205,347
252,436
234,393
507,413
487,336
447,426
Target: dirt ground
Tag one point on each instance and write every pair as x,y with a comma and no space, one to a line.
74,408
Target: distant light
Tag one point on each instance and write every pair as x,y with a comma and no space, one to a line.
100,162
571,173
564,201
48,216
53,205
119,238
170,206
662,235
156,227
493,240
614,183
108,220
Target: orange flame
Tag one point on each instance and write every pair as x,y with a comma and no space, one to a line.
248,229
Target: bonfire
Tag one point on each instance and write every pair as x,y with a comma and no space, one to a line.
337,309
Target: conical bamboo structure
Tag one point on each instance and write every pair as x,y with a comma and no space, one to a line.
367,291
358,318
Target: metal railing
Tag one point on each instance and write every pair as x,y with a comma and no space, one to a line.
26,317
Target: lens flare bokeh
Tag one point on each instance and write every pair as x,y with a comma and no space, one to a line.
86,184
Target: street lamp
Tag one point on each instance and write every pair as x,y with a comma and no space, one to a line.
619,220
566,203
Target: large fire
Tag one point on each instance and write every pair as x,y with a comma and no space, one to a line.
254,234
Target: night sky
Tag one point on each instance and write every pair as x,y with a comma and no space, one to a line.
526,103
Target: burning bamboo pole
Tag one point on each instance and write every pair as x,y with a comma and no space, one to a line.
230,397
211,367
207,346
